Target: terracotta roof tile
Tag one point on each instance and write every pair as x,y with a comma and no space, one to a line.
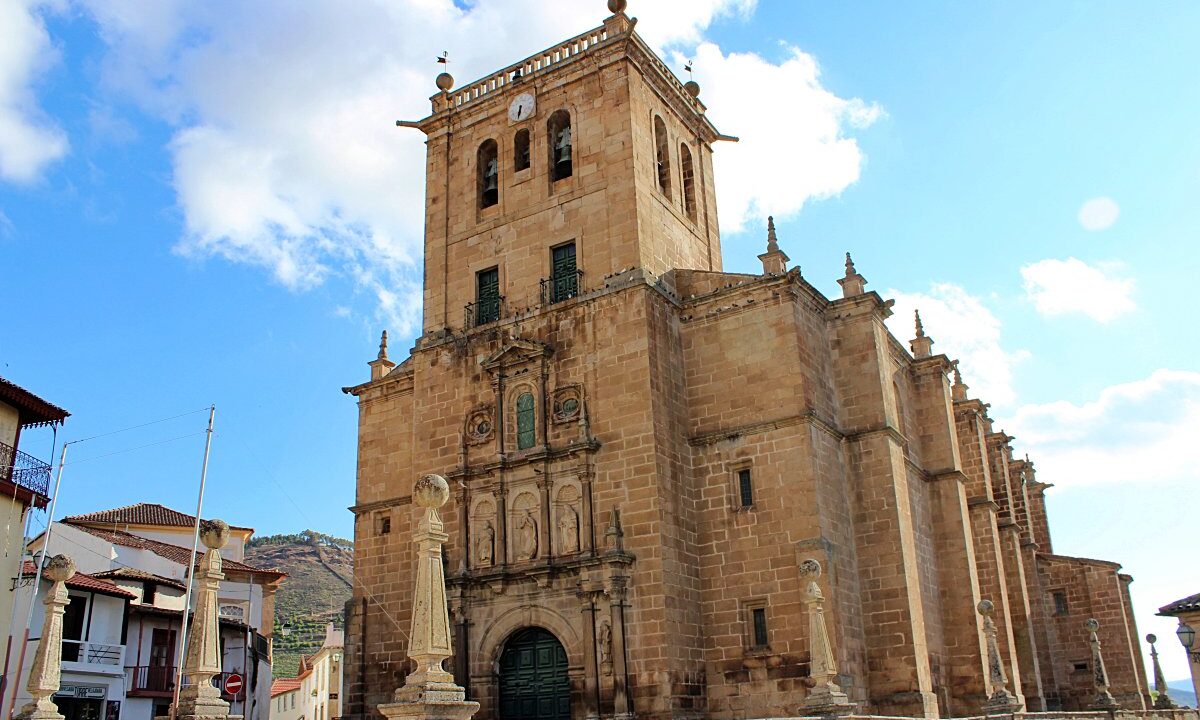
280,686
140,514
171,552
135,574
1191,603
83,581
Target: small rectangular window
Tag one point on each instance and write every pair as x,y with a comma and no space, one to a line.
1080,666
1060,604
745,488
383,523
487,296
760,627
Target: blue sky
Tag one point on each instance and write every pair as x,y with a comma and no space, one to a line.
211,205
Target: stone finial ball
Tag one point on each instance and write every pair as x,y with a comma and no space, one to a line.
692,88
431,491
445,81
1092,624
59,568
214,533
985,607
1151,638
617,6
810,569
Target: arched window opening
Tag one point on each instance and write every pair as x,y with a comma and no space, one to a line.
525,422
689,181
489,174
662,156
521,150
559,127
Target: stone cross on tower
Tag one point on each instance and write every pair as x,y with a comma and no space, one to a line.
1001,701
429,691
199,699
45,674
1104,699
825,697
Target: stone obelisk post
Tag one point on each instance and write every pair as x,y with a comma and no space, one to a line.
1001,701
199,699
1163,701
825,697
1104,699
46,672
429,692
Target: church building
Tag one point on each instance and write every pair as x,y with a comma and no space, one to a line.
644,450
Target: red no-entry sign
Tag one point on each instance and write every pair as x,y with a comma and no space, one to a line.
233,684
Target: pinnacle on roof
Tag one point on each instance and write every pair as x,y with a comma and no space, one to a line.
922,345
852,284
774,260
383,347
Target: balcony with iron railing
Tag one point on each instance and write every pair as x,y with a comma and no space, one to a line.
25,471
93,657
159,681
483,311
561,286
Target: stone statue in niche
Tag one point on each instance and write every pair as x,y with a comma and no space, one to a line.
604,641
568,530
527,537
485,546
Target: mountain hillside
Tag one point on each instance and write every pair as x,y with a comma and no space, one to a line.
320,573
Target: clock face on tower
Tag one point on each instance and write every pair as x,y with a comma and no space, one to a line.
522,108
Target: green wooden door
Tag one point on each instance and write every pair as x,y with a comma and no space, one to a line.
533,678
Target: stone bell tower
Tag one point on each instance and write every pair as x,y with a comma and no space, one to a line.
590,156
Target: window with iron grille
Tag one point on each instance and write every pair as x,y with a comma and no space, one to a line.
487,296
1060,603
745,488
564,277
525,422
760,627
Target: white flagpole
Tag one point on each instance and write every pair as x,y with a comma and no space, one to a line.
37,579
187,603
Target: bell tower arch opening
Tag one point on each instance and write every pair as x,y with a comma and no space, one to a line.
533,677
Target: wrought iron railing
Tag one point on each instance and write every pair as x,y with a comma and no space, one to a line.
24,470
483,311
149,679
561,286
86,652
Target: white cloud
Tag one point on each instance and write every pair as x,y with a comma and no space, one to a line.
962,328
794,145
28,140
1098,213
285,154
1062,287
1142,431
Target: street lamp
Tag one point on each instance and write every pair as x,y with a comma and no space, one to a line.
1187,638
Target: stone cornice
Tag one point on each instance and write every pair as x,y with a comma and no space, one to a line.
538,455
380,504
844,310
809,418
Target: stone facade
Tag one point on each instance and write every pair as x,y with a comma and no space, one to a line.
642,466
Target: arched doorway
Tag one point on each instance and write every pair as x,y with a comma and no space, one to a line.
533,677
